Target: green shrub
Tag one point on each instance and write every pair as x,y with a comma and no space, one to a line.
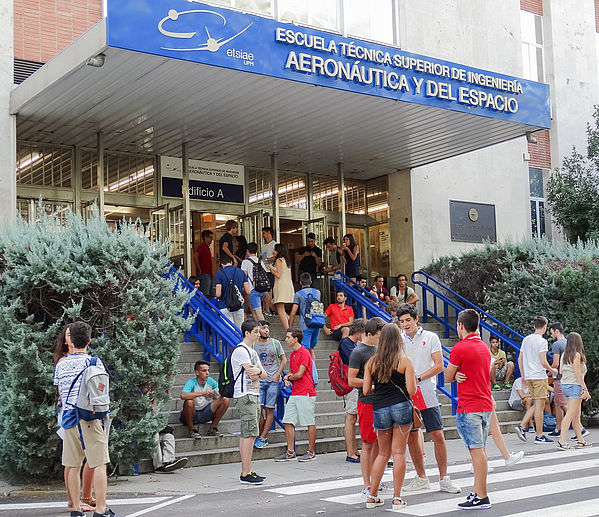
52,275
516,281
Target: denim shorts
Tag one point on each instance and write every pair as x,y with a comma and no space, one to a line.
201,416
256,298
572,391
269,392
474,428
310,338
397,414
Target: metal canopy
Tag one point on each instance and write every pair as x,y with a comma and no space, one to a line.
150,104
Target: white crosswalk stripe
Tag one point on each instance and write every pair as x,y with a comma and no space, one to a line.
552,472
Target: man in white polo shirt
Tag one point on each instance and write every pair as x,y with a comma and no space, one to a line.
424,349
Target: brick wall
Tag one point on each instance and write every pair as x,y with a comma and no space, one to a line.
533,6
540,153
596,15
45,27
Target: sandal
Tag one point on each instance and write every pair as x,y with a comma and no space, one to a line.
583,444
564,446
398,506
374,501
88,504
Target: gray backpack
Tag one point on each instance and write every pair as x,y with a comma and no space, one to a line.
93,402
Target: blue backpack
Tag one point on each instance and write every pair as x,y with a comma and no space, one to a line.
314,316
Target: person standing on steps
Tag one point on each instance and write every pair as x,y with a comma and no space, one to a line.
268,259
283,291
351,256
309,258
247,372
272,356
302,301
299,409
532,362
424,349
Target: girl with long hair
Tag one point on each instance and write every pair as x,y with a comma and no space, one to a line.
351,256
573,368
391,372
283,291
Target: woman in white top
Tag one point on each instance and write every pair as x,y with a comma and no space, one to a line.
283,291
573,369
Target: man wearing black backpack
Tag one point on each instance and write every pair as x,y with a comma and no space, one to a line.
231,283
68,377
258,280
307,304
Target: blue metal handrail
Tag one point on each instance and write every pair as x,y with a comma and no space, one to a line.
445,295
361,300
216,333
365,302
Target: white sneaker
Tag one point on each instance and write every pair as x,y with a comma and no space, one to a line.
447,485
365,493
489,469
417,483
514,458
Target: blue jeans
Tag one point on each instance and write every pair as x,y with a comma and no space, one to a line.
206,284
474,428
397,414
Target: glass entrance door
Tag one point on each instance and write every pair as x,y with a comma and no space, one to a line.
159,224
250,226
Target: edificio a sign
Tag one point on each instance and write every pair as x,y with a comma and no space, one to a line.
472,222
210,181
202,33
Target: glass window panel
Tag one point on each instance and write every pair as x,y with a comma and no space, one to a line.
541,218
533,218
535,176
371,20
255,6
317,13
540,73
538,30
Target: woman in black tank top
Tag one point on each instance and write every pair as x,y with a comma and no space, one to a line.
389,376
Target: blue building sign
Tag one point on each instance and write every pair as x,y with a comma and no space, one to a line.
202,33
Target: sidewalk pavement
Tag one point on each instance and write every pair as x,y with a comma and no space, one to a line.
225,477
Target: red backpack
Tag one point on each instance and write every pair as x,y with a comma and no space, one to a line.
338,376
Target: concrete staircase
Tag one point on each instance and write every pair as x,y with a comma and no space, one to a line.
330,412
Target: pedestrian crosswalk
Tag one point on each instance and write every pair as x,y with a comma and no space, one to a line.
556,482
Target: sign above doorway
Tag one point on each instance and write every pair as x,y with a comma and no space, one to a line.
209,181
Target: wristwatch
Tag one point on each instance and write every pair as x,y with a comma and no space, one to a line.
418,378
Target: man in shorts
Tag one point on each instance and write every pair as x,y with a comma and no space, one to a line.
301,307
91,433
533,364
201,402
469,364
247,372
247,266
271,354
347,345
357,361
300,406
424,349
502,368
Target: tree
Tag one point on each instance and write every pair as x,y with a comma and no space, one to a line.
573,191
113,280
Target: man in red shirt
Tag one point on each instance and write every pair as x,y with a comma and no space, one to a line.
470,365
341,317
203,261
300,406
